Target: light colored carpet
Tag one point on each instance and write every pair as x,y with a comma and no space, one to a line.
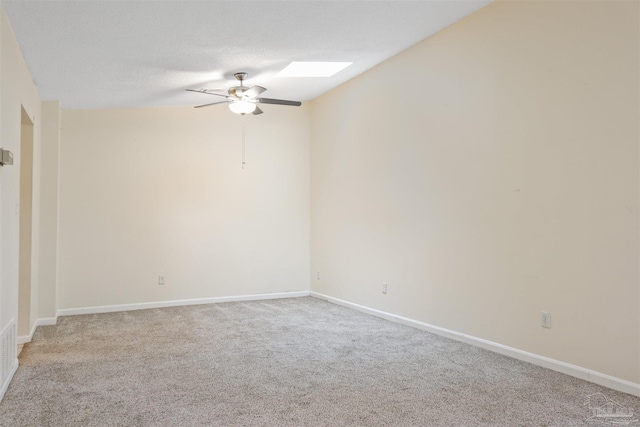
290,362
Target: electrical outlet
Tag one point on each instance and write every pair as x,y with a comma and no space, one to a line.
160,280
318,275
545,320
384,287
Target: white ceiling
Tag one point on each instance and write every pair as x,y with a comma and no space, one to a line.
108,54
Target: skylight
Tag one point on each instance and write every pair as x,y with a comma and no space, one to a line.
313,69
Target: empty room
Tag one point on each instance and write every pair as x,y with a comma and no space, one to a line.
399,213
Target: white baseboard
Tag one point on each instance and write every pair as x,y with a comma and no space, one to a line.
555,365
176,303
45,321
23,339
545,362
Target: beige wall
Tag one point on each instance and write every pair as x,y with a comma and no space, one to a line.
160,191
47,299
490,173
17,91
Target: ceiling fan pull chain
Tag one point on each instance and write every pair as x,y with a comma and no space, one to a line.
243,157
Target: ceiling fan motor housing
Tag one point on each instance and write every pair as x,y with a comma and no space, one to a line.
237,91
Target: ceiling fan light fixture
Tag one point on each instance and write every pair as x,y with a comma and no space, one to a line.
242,107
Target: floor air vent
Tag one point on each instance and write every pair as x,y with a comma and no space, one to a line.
8,360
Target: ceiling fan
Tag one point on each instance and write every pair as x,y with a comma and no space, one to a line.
242,99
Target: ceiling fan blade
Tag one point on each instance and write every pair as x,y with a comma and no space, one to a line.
254,91
205,91
213,103
257,111
278,101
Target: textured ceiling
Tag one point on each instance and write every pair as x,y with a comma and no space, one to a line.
106,54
